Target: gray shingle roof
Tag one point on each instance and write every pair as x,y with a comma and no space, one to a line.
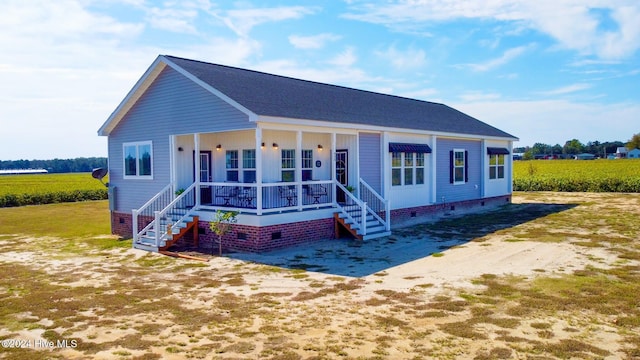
274,95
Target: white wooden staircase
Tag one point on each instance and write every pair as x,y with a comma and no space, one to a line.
366,217
168,218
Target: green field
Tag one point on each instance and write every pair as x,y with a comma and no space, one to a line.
19,190
621,175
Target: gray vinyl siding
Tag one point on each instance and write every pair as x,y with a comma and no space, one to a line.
467,191
173,104
370,160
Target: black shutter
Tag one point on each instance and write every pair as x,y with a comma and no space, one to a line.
466,166
451,167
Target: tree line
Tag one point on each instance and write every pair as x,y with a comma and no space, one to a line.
574,146
56,165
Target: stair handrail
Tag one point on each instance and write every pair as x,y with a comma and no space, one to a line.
387,208
135,212
363,208
160,214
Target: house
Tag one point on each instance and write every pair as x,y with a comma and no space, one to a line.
621,152
299,160
633,154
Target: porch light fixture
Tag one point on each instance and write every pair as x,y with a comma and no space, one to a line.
219,147
319,147
262,146
275,146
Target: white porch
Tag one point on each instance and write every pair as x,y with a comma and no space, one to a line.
269,176
264,171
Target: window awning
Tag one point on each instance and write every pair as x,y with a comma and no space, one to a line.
409,148
497,151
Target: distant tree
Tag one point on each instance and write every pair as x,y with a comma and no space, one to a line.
556,149
57,165
540,148
528,155
634,143
573,147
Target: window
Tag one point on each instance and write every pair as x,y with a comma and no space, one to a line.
249,166
288,165
232,165
138,160
496,166
307,165
459,171
396,169
407,168
419,168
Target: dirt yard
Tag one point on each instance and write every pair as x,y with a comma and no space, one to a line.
554,275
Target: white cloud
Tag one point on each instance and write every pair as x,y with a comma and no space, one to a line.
173,19
506,57
410,58
345,58
567,89
242,21
313,41
479,96
569,22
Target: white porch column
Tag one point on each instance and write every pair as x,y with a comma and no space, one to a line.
433,165
196,147
357,158
259,170
332,163
298,176
509,162
173,176
386,166
484,167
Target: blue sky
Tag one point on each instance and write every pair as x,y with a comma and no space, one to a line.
544,71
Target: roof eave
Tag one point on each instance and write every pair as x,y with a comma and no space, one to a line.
354,126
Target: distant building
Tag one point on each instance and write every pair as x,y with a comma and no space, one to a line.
22,171
621,152
633,154
585,156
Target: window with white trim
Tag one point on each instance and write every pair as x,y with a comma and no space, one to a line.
249,165
419,168
496,166
231,161
138,160
396,169
288,165
459,167
407,168
307,165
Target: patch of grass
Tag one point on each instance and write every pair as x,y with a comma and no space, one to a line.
67,220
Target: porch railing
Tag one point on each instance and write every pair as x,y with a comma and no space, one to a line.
376,204
143,217
162,209
269,197
355,209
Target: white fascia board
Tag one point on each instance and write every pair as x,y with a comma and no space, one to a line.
252,116
133,96
293,123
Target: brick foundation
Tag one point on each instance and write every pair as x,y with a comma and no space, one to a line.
265,238
421,214
121,224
